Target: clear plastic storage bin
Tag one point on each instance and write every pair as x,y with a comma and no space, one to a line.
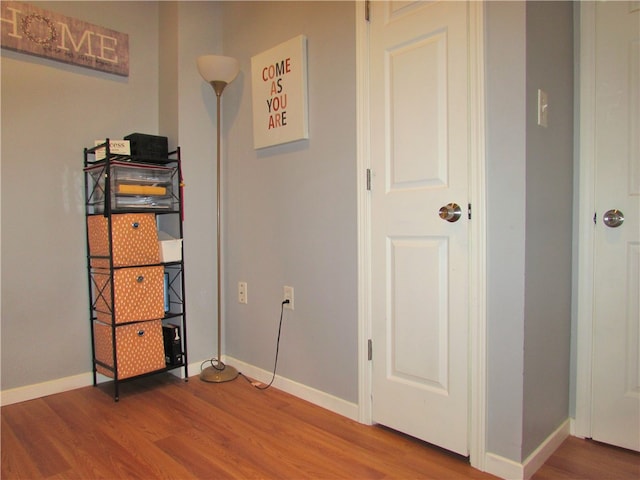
133,186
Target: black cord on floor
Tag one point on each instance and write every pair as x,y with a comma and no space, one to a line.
259,385
215,363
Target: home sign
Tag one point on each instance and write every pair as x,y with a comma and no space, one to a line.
31,30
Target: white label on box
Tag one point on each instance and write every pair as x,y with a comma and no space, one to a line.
116,147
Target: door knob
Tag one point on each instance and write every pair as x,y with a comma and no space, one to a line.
613,218
451,212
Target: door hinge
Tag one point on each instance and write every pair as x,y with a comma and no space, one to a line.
368,179
469,211
367,4
369,350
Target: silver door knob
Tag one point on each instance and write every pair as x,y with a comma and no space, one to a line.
451,212
613,218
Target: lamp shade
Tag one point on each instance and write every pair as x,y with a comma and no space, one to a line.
217,68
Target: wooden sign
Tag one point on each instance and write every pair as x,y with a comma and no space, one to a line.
28,29
279,88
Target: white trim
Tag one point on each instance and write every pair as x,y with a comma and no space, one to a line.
477,241
50,387
541,454
505,468
65,384
477,258
572,429
364,215
585,165
317,397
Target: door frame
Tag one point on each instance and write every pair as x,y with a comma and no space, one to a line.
477,233
585,165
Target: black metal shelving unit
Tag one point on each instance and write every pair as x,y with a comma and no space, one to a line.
103,198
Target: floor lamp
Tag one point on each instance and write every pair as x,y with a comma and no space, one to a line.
218,71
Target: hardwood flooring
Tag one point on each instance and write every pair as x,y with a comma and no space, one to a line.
586,459
163,427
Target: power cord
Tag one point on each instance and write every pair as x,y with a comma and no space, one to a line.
259,385
215,363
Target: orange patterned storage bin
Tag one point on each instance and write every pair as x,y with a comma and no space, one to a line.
139,294
139,348
135,239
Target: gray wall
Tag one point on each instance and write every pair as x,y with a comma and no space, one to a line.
291,209
191,29
506,217
529,193
547,312
298,220
50,112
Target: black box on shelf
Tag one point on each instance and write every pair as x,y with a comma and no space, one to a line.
148,148
172,344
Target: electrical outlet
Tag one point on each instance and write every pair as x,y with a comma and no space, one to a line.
242,292
288,295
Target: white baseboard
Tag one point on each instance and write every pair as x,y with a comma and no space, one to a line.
511,470
546,449
503,467
37,390
59,385
317,397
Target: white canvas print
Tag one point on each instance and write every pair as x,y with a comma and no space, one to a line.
279,87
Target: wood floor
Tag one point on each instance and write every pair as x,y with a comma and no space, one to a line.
166,428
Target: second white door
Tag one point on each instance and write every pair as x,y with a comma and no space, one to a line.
616,306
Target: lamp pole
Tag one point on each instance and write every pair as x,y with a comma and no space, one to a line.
211,66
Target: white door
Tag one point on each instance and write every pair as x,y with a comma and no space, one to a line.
616,359
419,157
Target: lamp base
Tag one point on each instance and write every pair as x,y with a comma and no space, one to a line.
214,375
